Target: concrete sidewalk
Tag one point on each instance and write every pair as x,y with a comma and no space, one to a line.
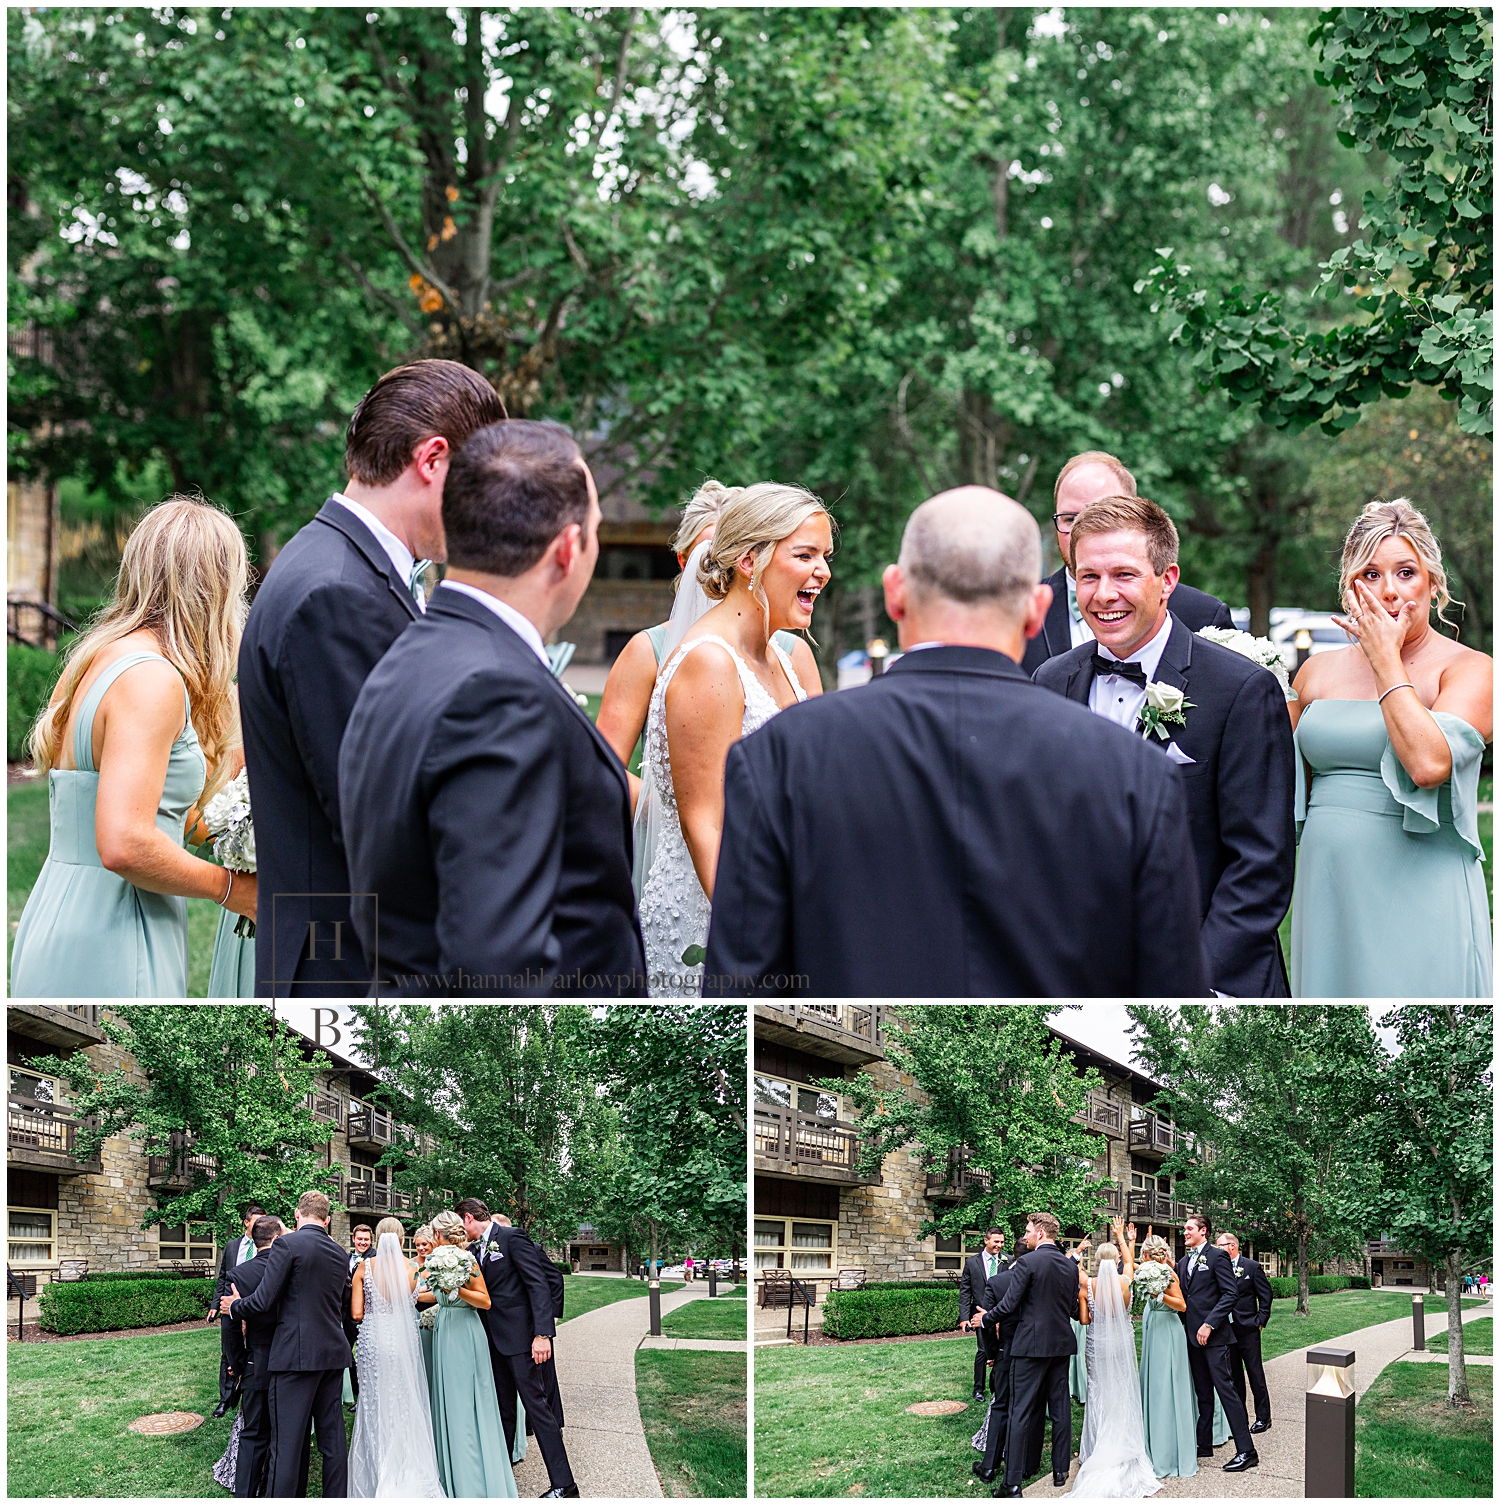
1280,1474
595,1356
711,1345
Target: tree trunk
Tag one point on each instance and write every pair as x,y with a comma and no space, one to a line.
1458,1374
1302,1307
1260,586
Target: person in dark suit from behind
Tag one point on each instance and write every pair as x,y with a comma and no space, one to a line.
498,819
1252,1310
977,1270
1208,1288
231,1345
521,1329
1232,741
1043,1295
334,599
304,1286
1084,480
252,1465
951,829
1000,1333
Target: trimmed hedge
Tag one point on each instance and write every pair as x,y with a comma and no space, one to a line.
892,1311
1359,1283
1317,1285
30,674
136,1275
87,1306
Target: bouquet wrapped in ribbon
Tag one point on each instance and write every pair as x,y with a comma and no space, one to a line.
448,1268
232,831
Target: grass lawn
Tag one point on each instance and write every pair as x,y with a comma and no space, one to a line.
693,1410
1409,1443
833,1421
706,1319
1479,1337
1332,1316
582,1293
70,1405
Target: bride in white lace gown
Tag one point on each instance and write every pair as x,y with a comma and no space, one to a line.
721,678
392,1455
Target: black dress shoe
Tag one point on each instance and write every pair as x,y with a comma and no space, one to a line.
561,1492
1007,1491
1260,1426
978,1394
1058,1480
223,1406
981,1472
1241,1461
1205,1452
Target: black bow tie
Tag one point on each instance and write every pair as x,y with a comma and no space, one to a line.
1103,666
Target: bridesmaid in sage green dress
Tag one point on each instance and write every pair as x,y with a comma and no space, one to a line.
138,727
1168,1402
1390,896
231,973
473,1461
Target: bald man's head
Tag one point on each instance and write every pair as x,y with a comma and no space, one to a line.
975,547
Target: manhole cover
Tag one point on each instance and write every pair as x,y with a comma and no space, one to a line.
937,1408
164,1423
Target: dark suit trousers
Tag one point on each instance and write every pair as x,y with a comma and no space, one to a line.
1212,1371
231,1357
981,1359
255,1444
1036,1384
1246,1357
999,1417
296,1398
515,1373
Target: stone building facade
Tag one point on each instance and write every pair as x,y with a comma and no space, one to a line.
61,1210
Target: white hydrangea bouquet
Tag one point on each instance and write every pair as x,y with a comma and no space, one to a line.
1150,1279
1261,651
426,1315
232,831
448,1268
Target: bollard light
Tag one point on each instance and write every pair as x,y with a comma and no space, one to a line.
1328,1448
713,1281
654,1292
1303,642
1418,1324
878,651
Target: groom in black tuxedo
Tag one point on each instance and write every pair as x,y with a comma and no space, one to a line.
1208,1287
303,1284
951,829
497,831
335,598
999,1336
260,1336
1044,1295
521,1329
1231,742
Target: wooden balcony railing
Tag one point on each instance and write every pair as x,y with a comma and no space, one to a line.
801,1139
44,1136
957,1179
177,1168
863,1020
1151,1134
1098,1112
369,1125
1158,1207
375,1196
325,1105
88,1012
1112,1200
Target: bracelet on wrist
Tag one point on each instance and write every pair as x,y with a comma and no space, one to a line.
1405,684
228,889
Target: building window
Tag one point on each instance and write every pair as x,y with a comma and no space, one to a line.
33,1236
1141,1182
185,1241
792,1244
951,1252
775,1092
39,1089
1403,1264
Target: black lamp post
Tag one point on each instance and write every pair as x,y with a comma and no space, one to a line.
653,1291
1328,1449
713,1280
1419,1324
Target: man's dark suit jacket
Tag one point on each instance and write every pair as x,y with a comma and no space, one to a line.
260,1331
951,829
1210,1296
1193,608
1252,1294
1001,1331
499,832
303,1285
971,1285
521,1301
1239,799
1044,1295
328,609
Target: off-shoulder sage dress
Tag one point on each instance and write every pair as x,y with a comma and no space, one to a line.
85,932
1390,899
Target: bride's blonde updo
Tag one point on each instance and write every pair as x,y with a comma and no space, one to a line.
753,520
448,1228
388,1225
1104,1252
1395,519
1156,1247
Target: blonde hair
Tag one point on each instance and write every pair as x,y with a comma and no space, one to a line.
448,1228
1096,457
701,511
1156,1245
1395,519
1104,1252
183,577
423,1234
753,520
389,1225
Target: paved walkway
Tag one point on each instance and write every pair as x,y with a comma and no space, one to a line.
603,1434
710,1345
1280,1474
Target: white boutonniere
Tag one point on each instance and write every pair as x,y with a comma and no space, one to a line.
1165,706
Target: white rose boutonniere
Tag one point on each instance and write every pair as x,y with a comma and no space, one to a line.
1165,706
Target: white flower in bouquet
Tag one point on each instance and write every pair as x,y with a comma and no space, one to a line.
1151,1279
1260,651
448,1268
427,1317
232,831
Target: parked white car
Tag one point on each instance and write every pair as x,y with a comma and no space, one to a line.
1326,636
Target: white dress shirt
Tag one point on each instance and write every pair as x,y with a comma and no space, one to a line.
1120,700
1079,631
523,627
400,556
246,1251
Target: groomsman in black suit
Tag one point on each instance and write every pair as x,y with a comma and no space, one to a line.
977,1270
360,1236
999,1333
335,598
1085,479
260,1334
1231,739
1208,1287
303,1285
231,1346
1043,1294
498,837
1252,1310
521,1329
